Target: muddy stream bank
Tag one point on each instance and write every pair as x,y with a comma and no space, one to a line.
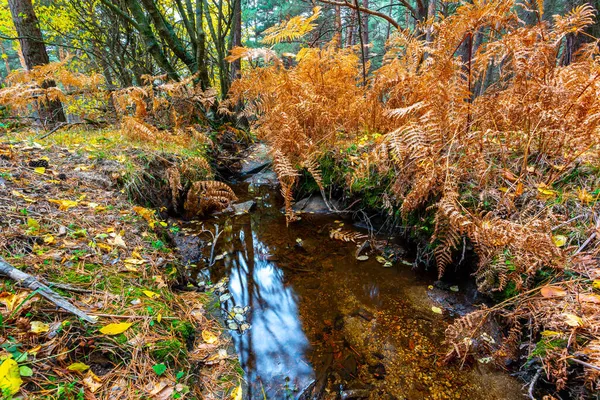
313,322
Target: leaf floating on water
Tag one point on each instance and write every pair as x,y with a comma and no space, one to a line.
388,264
115,329
436,310
78,367
559,240
552,292
381,260
454,288
345,236
210,337
10,378
232,325
362,258
573,320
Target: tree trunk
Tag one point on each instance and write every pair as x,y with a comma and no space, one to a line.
365,31
35,54
236,37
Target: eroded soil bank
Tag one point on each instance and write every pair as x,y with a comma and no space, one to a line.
324,325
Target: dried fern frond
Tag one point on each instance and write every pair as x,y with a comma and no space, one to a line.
292,29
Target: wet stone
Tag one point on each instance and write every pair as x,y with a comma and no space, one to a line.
364,314
258,159
268,178
315,205
243,208
355,394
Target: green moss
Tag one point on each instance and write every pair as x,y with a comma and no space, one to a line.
184,328
168,351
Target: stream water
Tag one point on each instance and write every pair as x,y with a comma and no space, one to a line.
323,325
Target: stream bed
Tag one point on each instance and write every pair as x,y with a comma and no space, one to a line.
319,324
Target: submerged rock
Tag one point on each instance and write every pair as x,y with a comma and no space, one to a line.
257,159
243,208
268,178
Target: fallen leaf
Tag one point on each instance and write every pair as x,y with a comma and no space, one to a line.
92,382
159,369
596,284
25,371
134,261
49,239
12,300
559,240
589,298
150,294
64,204
236,394
39,327
362,258
552,292
10,379
39,170
549,333
117,240
380,260
573,320
78,367
115,329
436,310
209,337
33,224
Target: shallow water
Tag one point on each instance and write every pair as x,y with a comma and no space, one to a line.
326,326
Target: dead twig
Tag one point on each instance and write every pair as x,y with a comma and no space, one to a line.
30,282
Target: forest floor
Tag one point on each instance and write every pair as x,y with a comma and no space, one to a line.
67,221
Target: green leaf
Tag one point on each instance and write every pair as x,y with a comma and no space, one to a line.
159,369
25,371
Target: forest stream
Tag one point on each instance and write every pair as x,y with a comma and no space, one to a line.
310,321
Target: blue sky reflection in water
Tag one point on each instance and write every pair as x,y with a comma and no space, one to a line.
273,352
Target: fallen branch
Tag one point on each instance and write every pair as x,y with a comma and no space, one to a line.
30,282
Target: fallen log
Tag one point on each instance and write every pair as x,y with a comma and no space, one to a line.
30,282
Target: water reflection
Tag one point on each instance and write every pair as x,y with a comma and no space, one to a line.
273,352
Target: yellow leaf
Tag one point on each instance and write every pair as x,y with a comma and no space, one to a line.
236,394
545,192
10,379
584,196
78,367
49,239
12,300
147,214
64,204
209,337
33,224
115,329
552,291
40,170
39,327
573,320
436,310
22,196
104,247
596,284
150,294
559,240
92,382
549,333
134,261
159,318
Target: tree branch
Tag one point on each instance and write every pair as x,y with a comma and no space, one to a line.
366,10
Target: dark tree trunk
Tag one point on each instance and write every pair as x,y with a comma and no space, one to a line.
35,54
365,31
236,37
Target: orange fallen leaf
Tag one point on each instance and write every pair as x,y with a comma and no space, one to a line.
552,292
